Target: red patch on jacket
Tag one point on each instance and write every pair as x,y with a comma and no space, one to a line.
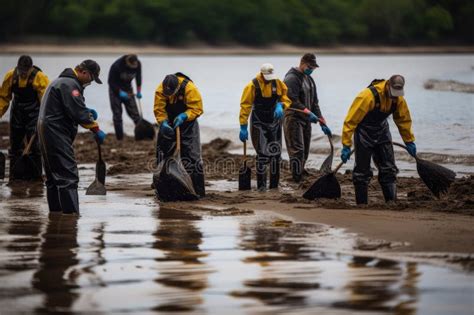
75,93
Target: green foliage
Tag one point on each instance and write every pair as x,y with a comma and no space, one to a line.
248,22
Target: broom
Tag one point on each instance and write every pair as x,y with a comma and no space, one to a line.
436,177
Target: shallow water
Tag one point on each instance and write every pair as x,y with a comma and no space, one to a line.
126,254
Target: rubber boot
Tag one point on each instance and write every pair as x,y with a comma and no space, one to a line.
52,195
69,200
361,194
295,165
274,173
118,131
389,192
261,169
199,184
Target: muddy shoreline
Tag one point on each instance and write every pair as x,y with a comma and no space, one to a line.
418,220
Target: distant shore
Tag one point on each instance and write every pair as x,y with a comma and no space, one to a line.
281,49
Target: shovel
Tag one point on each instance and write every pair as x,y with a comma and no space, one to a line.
436,177
245,174
144,130
326,186
171,181
97,187
327,164
25,166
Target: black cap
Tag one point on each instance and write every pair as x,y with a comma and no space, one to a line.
131,61
24,63
93,67
310,59
170,84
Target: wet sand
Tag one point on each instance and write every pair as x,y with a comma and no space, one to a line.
418,220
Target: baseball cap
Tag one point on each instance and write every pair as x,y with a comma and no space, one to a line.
396,84
93,67
170,84
268,71
310,59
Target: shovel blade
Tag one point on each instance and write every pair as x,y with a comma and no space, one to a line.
327,165
172,182
326,186
2,165
96,189
245,177
144,130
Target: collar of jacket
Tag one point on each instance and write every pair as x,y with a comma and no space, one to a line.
71,73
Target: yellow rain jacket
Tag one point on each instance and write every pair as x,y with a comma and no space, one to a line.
365,102
40,83
248,96
192,99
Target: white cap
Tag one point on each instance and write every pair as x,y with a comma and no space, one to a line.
268,71
396,84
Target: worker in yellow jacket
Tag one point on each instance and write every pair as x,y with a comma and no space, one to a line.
367,120
26,84
178,103
264,99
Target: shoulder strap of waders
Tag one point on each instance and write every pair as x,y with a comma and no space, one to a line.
375,92
274,88
32,76
258,91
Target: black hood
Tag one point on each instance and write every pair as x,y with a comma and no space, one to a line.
296,72
69,73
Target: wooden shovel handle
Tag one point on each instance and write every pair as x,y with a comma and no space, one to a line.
404,147
140,111
27,149
298,110
340,165
178,140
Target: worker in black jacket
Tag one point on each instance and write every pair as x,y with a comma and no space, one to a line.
121,74
62,110
297,125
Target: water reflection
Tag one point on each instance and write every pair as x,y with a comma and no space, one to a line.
180,267
57,255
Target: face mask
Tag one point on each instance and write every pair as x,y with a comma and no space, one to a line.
308,71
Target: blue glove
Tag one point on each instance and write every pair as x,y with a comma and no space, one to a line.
278,111
345,154
166,128
244,134
93,113
313,118
326,130
123,95
139,95
411,148
179,120
100,136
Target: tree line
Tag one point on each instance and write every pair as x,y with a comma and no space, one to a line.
247,22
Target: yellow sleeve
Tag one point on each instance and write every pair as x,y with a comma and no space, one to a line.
159,108
91,125
246,103
402,119
362,104
284,99
40,83
6,93
193,102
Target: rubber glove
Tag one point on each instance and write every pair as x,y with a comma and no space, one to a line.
93,113
345,154
179,120
99,136
166,128
123,95
313,118
411,148
244,134
139,92
326,130
278,111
